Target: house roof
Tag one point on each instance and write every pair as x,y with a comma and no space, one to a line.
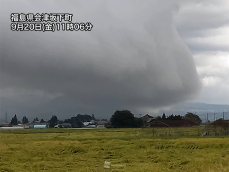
173,123
221,122
101,122
147,116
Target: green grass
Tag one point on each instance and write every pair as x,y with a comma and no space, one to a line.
162,149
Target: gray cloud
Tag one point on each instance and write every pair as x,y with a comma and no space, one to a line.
132,58
204,26
199,19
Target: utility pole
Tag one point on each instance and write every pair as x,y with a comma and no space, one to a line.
207,117
6,117
214,116
140,115
223,115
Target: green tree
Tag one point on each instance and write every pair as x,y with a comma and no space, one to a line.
178,117
123,119
138,122
36,119
171,117
84,118
25,120
158,118
42,121
108,125
75,122
53,121
193,117
14,120
163,117
93,116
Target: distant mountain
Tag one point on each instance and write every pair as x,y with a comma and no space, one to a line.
15,107
201,109
64,107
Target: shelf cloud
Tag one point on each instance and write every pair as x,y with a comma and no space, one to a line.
133,57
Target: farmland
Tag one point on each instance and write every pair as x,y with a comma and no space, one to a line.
161,149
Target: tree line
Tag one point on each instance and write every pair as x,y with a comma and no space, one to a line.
125,119
74,121
120,119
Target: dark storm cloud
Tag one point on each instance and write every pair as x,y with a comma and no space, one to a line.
133,57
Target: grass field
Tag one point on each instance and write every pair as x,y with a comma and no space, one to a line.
137,150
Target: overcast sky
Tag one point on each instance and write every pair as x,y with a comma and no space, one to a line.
140,55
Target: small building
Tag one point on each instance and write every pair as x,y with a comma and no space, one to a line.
101,124
147,118
21,125
91,124
11,128
5,125
173,123
221,123
40,126
63,125
86,124
218,127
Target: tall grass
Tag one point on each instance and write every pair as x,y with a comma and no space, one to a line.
138,149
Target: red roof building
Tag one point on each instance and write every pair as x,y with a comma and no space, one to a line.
173,123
